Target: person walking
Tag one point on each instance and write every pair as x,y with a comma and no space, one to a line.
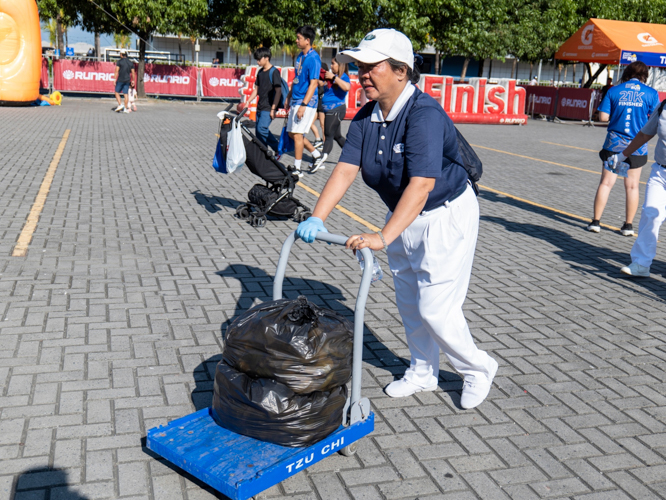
335,108
321,88
302,98
401,142
626,107
653,214
123,75
268,86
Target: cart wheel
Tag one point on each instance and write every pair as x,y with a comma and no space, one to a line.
349,451
305,215
260,221
243,212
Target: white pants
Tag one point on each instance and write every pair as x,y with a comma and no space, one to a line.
431,262
302,126
652,215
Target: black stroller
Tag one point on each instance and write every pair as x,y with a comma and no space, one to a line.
276,197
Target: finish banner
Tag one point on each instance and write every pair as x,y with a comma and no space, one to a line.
475,102
221,82
165,79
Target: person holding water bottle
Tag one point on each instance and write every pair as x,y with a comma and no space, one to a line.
626,107
406,148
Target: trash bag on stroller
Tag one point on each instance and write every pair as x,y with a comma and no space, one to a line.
274,197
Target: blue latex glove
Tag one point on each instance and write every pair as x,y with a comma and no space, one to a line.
307,230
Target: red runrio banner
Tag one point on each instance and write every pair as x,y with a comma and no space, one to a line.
83,76
93,76
166,79
541,100
221,82
574,103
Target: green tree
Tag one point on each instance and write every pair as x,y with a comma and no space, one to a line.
260,23
64,13
146,17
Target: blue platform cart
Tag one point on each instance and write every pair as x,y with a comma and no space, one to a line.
241,467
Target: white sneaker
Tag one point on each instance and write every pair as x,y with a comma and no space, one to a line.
475,390
637,270
119,108
403,388
127,110
298,171
318,164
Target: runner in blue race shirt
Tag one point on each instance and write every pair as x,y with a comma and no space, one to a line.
628,105
335,107
303,97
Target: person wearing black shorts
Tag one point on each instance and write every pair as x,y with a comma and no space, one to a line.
124,74
626,107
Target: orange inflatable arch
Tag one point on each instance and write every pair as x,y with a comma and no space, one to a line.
20,52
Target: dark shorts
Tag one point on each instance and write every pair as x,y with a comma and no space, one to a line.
122,88
634,161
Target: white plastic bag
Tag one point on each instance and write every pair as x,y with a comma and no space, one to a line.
235,148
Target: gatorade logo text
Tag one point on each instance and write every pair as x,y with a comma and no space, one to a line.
587,34
647,40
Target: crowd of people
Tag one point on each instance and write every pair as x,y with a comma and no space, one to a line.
318,93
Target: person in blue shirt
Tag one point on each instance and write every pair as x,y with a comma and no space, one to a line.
302,98
406,149
334,103
626,107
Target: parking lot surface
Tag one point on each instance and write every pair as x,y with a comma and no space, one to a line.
112,323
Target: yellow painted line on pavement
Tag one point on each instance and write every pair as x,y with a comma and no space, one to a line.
572,147
24,239
584,149
546,207
536,159
342,209
539,159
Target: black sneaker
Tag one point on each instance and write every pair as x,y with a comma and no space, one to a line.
594,226
627,230
318,144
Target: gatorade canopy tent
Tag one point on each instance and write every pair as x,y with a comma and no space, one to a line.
616,42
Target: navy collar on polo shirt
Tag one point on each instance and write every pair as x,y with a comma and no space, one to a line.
378,117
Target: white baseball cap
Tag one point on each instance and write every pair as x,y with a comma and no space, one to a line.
123,51
379,45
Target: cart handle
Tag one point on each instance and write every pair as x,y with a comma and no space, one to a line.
361,299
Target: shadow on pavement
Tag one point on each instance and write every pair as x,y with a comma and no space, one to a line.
581,254
177,470
44,482
257,284
214,203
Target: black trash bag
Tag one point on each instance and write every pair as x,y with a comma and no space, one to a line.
269,411
294,342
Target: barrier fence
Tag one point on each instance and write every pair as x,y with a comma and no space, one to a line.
475,101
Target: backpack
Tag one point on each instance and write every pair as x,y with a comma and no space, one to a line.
283,86
471,162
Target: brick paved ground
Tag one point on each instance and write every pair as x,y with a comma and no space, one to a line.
112,323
